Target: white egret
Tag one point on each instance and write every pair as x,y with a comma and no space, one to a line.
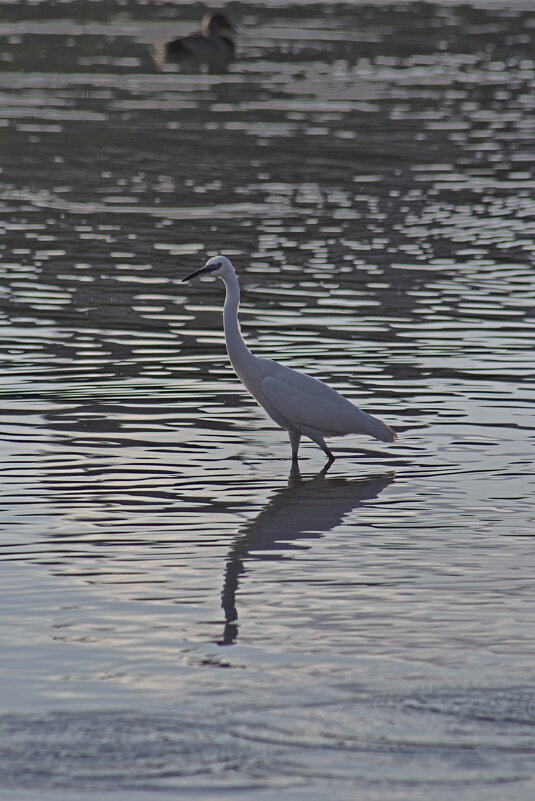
300,404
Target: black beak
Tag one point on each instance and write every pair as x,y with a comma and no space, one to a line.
199,272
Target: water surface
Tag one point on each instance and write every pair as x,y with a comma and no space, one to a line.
182,612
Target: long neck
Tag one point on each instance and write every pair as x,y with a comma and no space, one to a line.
239,353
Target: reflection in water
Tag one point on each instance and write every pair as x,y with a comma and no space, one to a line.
371,166
306,507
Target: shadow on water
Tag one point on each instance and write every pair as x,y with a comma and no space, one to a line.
305,507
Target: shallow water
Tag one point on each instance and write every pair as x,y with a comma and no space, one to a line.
182,612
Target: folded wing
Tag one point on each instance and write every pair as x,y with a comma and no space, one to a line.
307,403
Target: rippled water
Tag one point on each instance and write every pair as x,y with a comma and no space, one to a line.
181,612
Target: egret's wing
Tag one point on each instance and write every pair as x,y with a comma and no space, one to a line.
308,403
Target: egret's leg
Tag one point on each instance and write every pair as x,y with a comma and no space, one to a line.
318,439
295,439
330,455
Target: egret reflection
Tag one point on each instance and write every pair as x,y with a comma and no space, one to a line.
306,507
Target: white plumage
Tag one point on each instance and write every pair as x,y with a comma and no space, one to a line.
297,402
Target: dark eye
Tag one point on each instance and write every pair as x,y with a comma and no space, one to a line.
218,264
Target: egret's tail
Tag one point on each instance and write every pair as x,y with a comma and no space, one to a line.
367,424
388,434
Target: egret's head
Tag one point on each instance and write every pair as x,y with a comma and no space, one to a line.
218,266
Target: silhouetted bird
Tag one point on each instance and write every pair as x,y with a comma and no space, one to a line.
211,47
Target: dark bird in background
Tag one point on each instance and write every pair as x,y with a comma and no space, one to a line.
210,48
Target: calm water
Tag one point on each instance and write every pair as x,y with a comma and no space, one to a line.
182,615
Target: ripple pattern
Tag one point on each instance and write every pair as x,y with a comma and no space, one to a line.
183,612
